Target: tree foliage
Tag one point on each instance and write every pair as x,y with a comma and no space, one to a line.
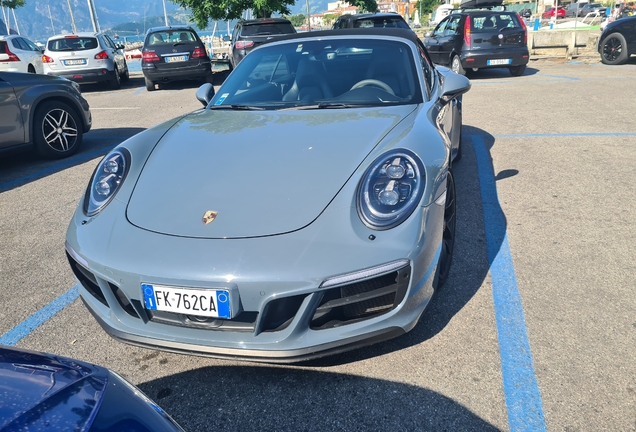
205,10
297,20
428,6
12,4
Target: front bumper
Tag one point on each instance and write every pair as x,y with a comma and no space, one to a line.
518,56
88,76
287,282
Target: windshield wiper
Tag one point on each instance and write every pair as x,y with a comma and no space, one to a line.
237,107
337,105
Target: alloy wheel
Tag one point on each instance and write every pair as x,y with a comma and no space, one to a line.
612,49
59,130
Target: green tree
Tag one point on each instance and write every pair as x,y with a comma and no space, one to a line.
297,20
428,6
12,4
329,19
205,10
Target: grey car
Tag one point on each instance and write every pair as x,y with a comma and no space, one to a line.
44,112
86,58
309,209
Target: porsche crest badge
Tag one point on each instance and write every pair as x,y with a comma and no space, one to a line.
209,216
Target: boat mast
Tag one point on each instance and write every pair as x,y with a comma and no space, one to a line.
70,10
51,18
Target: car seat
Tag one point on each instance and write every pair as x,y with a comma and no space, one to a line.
310,83
183,37
388,66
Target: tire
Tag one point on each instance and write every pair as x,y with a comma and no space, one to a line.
456,65
448,235
614,49
115,83
208,79
31,69
517,70
150,86
126,76
57,130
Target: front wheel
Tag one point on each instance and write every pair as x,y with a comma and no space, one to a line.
57,130
448,234
517,70
456,65
614,49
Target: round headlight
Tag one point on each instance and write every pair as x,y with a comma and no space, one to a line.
390,189
107,178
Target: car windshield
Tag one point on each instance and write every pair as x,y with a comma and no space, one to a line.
171,37
381,22
316,74
72,43
267,28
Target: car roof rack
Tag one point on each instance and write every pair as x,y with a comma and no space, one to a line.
470,5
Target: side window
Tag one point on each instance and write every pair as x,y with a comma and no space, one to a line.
427,68
453,25
18,44
439,30
31,45
109,42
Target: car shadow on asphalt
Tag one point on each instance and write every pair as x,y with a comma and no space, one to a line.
497,73
470,264
25,166
244,398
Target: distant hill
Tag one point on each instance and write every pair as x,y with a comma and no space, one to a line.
135,16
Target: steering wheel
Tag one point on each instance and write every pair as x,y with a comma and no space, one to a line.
373,82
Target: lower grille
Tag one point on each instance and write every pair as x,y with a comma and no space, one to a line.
87,279
243,322
361,300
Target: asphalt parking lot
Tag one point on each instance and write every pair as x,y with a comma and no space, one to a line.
536,329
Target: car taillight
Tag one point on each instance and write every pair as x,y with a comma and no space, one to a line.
198,52
47,59
101,56
12,57
525,29
243,44
149,57
467,32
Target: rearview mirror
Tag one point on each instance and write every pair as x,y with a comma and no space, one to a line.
205,93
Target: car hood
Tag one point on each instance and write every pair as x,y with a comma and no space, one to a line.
262,172
36,385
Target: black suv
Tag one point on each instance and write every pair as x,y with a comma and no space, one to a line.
369,20
174,53
248,34
469,40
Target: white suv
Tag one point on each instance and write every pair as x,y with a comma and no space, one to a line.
18,54
86,58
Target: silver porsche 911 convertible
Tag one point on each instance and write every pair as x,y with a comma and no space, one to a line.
307,210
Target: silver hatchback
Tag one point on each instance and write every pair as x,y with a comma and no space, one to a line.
86,58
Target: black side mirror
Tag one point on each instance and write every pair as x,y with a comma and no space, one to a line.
119,46
205,93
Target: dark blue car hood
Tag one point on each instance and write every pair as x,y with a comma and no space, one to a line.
35,387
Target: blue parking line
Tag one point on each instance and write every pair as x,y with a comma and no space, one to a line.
23,329
523,399
140,90
566,78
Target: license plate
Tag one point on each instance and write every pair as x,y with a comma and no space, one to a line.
499,62
173,59
74,62
189,301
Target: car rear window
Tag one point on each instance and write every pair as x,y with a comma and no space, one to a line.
267,29
494,22
380,23
73,44
171,37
